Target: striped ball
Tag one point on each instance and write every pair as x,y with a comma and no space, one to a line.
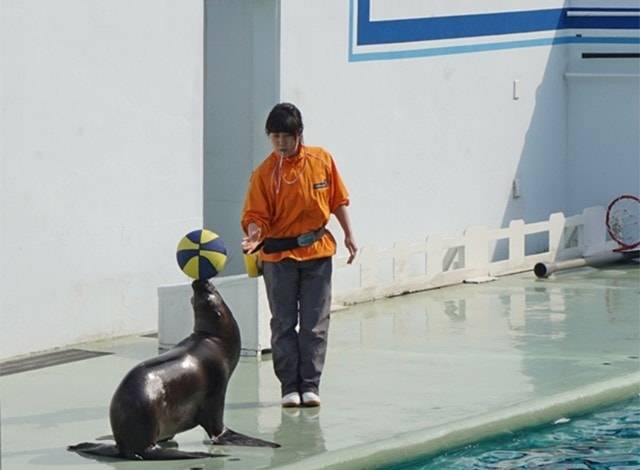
201,254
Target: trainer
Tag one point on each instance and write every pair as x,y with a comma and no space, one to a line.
291,196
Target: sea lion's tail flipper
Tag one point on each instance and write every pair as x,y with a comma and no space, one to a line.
232,438
160,453
153,453
91,448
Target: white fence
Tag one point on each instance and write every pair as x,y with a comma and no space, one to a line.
442,261
403,268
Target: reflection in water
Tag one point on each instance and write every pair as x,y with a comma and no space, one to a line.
456,310
300,428
579,322
526,334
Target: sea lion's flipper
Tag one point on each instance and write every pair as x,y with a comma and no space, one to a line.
153,453
161,453
167,442
91,448
232,438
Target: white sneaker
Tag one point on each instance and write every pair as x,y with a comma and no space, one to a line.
291,400
310,399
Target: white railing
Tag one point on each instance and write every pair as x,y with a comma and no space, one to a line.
403,268
441,261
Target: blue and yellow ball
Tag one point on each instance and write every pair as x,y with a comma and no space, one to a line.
201,254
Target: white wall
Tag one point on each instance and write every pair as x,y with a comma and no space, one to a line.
426,144
101,139
101,170
241,86
604,126
431,144
604,119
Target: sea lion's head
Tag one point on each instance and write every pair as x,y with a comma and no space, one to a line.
212,316
207,299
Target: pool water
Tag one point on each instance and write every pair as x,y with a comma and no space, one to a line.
606,439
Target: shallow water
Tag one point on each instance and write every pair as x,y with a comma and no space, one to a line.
607,439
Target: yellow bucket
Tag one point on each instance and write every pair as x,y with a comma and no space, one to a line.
252,264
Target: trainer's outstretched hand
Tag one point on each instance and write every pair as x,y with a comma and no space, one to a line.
252,240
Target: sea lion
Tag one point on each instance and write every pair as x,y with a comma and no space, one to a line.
178,390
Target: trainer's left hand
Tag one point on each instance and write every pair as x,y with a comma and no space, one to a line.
350,243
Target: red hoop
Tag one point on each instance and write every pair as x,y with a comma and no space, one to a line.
614,236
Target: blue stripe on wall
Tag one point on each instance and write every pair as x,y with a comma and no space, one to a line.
486,24
496,46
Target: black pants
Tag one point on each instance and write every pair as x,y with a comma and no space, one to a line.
299,294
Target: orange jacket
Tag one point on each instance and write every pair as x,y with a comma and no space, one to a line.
291,196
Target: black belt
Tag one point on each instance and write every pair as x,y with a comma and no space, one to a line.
273,245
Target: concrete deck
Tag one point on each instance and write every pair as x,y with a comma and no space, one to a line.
414,374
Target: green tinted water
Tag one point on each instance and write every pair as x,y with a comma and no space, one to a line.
608,439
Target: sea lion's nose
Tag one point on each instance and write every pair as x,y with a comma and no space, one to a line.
203,286
199,285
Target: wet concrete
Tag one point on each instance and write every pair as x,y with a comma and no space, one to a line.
398,367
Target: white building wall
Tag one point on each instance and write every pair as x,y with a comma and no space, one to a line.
101,164
604,118
604,126
242,66
429,144
101,137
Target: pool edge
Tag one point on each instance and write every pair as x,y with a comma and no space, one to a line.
445,437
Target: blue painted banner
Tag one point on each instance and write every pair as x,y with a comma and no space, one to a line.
485,24
386,33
